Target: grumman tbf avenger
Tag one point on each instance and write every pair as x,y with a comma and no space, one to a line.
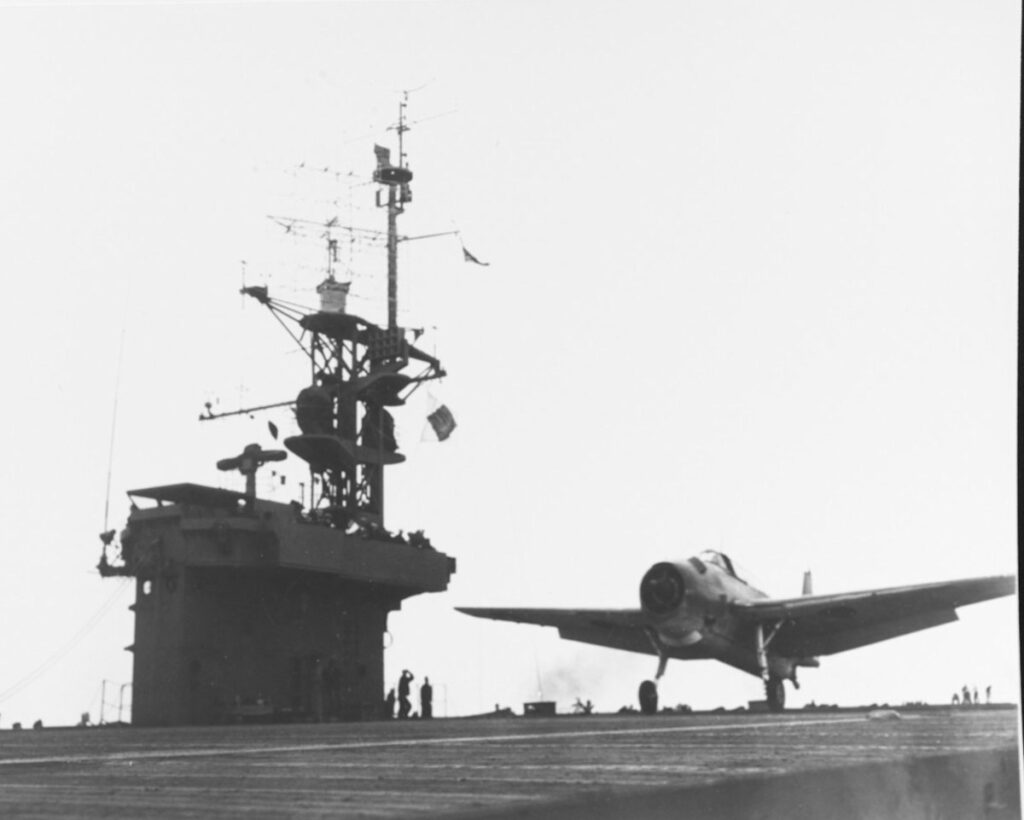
701,609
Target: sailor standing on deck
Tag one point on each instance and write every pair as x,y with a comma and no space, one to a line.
426,699
403,694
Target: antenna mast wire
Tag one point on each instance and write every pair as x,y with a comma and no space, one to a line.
113,419
75,639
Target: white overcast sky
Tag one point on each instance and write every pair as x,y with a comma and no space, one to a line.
753,287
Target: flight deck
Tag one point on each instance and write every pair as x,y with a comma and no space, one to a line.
956,763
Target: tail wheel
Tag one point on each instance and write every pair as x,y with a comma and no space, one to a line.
648,697
775,691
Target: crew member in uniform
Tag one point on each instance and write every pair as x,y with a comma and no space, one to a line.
426,699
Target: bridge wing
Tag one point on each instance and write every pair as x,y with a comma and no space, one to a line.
614,628
826,624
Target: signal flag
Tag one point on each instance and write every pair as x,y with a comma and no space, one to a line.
442,421
470,258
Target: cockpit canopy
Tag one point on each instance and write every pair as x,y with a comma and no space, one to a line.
720,560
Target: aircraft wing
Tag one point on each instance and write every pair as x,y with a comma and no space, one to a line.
614,628
826,624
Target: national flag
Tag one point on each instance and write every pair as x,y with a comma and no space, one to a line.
442,421
467,256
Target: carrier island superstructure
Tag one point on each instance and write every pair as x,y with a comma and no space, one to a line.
247,608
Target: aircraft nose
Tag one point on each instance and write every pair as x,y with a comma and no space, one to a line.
661,589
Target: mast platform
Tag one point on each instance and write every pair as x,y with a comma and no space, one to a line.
223,528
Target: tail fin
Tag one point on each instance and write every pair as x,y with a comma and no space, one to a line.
808,586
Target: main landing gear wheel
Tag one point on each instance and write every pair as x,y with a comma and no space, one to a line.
648,697
775,691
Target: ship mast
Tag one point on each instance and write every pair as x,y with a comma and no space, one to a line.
356,372
397,179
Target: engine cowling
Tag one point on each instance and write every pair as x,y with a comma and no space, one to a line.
665,599
662,590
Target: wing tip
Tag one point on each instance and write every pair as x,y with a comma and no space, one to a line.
480,611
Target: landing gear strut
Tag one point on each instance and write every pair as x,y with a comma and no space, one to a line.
774,686
775,692
648,694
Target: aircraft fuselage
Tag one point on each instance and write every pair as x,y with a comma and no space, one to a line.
690,605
